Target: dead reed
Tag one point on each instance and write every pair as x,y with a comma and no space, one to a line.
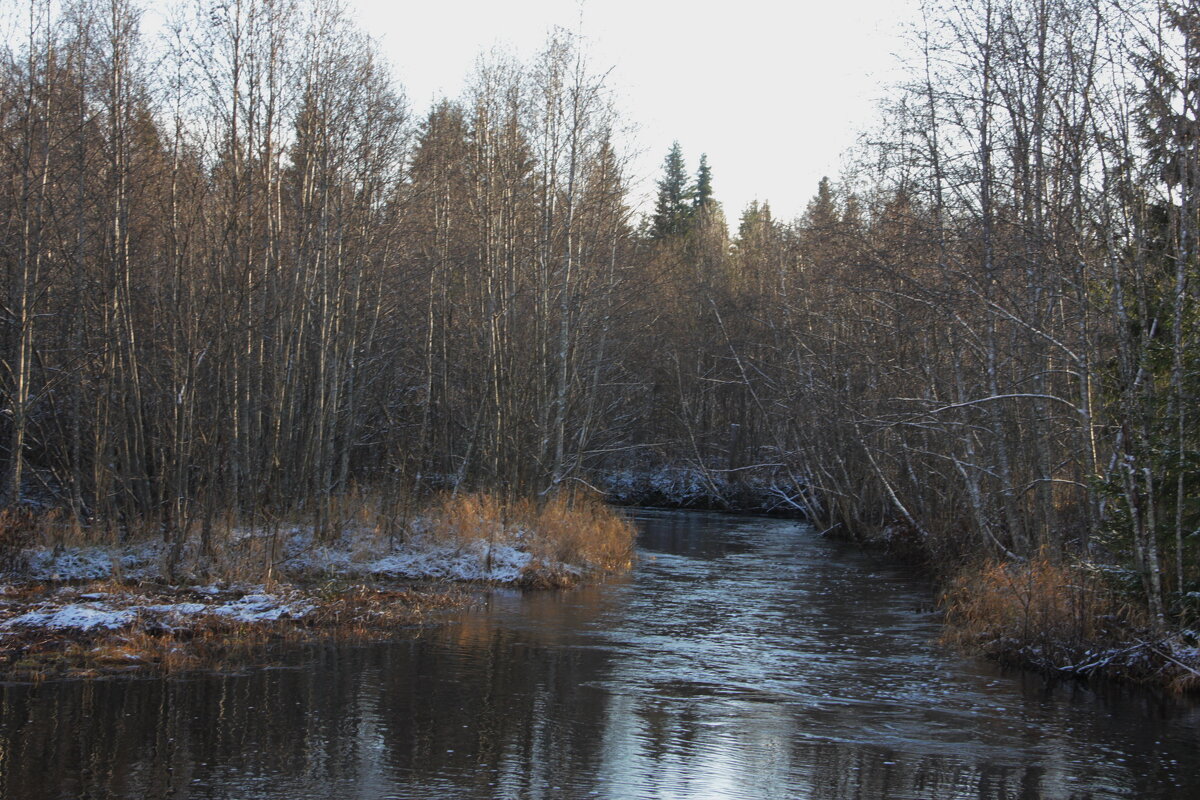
578,528
1043,612
568,534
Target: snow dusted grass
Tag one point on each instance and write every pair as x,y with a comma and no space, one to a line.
104,606
540,545
107,626
1065,619
469,537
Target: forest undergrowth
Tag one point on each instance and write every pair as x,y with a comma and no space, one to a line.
1066,618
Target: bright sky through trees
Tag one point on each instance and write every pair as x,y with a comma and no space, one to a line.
773,91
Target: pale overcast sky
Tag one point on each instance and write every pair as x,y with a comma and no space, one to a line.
773,91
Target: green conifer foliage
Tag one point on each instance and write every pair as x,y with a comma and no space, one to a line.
704,190
672,212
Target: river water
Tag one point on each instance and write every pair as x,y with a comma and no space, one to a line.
742,658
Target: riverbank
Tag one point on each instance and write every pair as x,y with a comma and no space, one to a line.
95,607
1067,618
1060,616
756,491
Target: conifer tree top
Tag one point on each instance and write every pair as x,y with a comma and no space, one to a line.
673,207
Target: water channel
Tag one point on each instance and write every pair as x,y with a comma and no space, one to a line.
742,658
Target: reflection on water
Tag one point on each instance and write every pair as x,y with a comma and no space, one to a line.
743,658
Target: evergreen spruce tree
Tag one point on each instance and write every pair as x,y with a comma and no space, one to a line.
822,211
704,191
672,212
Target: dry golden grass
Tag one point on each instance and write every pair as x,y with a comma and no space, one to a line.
1040,610
1064,618
580,529
570,529
466,518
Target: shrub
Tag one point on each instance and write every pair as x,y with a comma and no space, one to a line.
578,528
574,528
1042,612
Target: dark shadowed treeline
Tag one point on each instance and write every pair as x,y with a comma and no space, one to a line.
240,275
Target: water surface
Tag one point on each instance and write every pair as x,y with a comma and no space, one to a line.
742,658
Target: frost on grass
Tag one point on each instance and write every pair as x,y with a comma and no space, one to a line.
177,609
355,555
421,558
92,563
118,612
475,561
261,608
76,616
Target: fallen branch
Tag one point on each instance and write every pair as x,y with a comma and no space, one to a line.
1174,660
1082,669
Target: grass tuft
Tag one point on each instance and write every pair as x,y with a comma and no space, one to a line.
1040,603
1050,615
578,528
568,530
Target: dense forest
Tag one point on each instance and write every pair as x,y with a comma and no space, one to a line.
240,274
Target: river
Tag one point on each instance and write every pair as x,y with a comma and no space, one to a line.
741,658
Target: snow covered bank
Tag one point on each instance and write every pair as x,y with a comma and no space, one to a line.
67,608
296,554
463,538
760,491
97,627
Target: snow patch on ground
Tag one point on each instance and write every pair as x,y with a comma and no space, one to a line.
357,554
176,609
505,558
76,616
92,563
421,557
472,561
261,608
762,489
